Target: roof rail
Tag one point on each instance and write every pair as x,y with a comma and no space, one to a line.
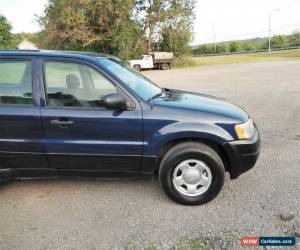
20,50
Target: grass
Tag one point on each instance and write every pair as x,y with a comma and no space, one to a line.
226,239
241,58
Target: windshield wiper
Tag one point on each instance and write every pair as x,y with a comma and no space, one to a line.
155,96
163,91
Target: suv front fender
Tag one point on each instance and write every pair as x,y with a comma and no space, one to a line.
182,130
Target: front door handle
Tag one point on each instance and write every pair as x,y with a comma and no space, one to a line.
62,122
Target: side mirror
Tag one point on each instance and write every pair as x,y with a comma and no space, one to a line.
114,101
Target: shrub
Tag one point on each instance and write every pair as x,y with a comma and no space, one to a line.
234,46
183,61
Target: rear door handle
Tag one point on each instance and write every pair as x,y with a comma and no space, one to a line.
62,122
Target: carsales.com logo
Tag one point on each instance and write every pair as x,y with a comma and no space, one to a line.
255,241
250,241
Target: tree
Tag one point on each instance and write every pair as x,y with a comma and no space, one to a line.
279,41
125,28
104,26
221,48
150,14
234,46
176,32
294,39
204,49
175,40
5,33
247,46
166,20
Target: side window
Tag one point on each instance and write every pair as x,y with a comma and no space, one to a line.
101,84
75,85
15,82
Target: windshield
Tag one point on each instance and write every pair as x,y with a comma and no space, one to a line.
134,80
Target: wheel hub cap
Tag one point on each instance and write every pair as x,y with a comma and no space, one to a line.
192,177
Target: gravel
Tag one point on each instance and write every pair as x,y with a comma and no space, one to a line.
135,214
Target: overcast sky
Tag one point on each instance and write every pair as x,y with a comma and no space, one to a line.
233,19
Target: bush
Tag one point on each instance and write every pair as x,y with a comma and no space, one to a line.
234,46
294,39
183,62
279,41
221,48
247,46
204,49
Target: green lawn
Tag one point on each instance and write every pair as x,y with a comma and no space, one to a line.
243,58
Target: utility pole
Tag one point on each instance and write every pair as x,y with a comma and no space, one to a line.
271,13
215,43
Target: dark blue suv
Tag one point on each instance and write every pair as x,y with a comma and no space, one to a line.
91,115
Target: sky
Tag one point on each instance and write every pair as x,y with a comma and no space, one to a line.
242,19
232,19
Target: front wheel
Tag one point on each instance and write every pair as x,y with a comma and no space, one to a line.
192,173
137,67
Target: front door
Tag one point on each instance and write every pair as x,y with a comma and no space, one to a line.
80,133
21,134
148,61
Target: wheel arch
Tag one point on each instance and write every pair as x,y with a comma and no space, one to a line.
218,147
136,64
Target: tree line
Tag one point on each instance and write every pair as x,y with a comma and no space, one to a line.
125,28
256,44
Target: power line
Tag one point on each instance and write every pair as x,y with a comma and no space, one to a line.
255,34
265,30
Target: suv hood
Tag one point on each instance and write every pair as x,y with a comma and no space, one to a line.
202,103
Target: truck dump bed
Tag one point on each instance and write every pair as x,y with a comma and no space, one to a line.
162,55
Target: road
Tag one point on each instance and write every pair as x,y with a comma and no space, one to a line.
134,213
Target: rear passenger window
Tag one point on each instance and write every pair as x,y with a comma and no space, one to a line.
15,82
71,84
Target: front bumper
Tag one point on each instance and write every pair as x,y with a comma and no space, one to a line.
242,154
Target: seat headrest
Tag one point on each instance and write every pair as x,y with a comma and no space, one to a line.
72,81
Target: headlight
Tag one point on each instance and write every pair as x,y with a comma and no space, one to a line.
245,130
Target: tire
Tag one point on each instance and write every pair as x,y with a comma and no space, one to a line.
165,66
211,169
137,67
